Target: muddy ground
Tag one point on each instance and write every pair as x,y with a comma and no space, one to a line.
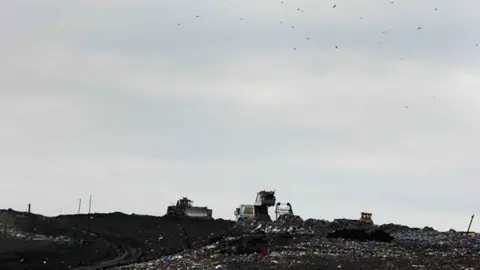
101,239
121,241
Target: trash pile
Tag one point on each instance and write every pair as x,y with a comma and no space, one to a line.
7,231
286,243
291,242
426,239
285,223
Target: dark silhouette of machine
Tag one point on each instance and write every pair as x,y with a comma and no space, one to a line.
185,208
259,210
283,209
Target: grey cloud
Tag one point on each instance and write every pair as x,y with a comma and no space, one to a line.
154,30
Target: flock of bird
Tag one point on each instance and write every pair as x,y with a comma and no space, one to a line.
336,46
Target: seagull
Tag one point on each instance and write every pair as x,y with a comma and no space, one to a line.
419,28
476,45
436,9
406,107
178,24
334,6
308,38
336,47
433,97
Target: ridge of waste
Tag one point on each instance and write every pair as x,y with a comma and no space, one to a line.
120,241
293,243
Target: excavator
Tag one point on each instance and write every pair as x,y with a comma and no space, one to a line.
185,208
259,210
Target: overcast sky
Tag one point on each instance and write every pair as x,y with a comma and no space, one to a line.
113,98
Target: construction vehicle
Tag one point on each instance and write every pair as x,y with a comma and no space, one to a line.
283,209
185,208
366,217
258,210
245,211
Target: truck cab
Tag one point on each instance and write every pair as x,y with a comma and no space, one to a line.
245,211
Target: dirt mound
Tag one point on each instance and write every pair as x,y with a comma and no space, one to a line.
108,240
111,238
290,243
246,244
361,235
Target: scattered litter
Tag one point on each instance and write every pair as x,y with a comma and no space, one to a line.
290,241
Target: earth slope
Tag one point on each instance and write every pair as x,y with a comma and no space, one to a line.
120,241
68,242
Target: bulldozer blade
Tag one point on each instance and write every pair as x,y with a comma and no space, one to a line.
197,212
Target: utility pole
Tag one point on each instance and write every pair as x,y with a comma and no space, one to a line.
90,205
469,225
29,208
79,205
89,221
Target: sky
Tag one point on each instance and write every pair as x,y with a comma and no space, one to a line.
340,110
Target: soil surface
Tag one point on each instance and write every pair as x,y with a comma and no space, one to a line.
119,241
73,241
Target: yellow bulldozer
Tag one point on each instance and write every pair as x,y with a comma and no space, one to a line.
366,217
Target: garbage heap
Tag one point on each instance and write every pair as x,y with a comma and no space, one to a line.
11,232
291,242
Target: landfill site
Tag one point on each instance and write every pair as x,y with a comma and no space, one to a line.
189,237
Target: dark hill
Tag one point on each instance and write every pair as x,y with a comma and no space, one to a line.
81,240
